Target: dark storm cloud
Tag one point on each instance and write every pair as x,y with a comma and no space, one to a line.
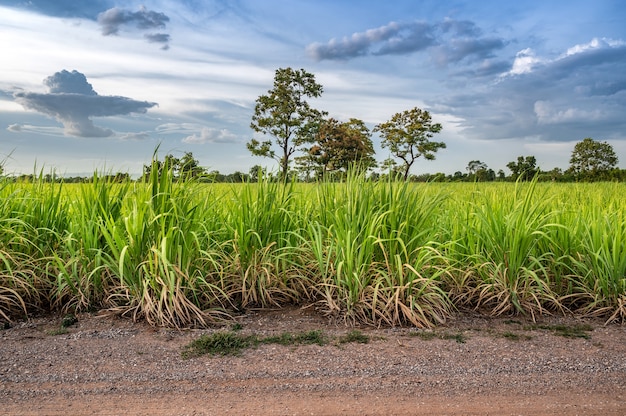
458,49
6,95
597,55
448,41
73,101
163,38
581,93
460,27
391,38
487,68
112,20
407,39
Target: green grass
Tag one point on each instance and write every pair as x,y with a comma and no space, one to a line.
57,331
514,336
303,338
430,335
185,254
354,336
68,320
567,331
234,343
219,343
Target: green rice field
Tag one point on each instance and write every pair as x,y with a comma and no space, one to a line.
181,254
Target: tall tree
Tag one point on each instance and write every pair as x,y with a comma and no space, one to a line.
256,172
478,170
525,168
285,114
475,165
183,168
592,159
339,146
189,167
408,134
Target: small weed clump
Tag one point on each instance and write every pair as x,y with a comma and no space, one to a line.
513,336
354,336
232,343
430,335
68,320
573,331
304,338
57,331
220,343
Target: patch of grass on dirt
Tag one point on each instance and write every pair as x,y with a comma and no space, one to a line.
219,343
287,338
354,336
429,335
458,337
567,331
57,331
68,320
311,337
232,343
514,336
425,335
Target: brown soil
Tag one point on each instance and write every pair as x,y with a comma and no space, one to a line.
472,366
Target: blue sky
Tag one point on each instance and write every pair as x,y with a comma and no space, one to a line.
97,85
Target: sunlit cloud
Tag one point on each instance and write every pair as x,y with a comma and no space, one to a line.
211,135
198,134
525,61
134,136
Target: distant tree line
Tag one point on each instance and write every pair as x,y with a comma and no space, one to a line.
323,147
590,161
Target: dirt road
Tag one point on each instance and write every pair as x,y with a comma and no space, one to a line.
472,366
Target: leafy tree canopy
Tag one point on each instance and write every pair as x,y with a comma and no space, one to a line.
186,167
525,168
408,134
592,160
285,114
338,146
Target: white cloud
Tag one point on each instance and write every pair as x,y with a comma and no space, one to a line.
547,113
525,61
73,101
595,43
199,134
28,128
211,135
134,136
